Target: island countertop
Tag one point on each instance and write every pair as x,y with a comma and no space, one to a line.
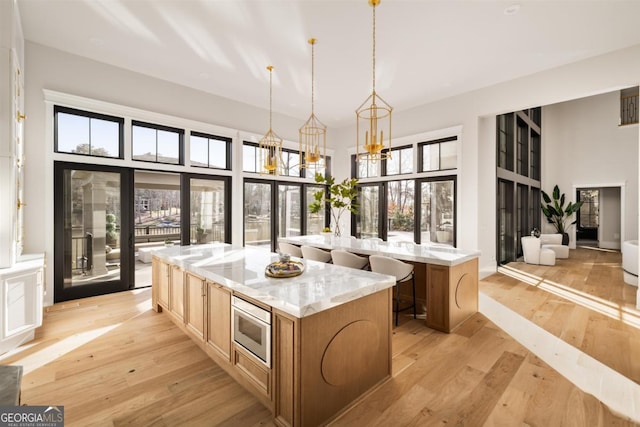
321,286
406,251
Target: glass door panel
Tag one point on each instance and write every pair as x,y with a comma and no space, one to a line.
156,201
289,218
315,221
92,238
207,214
257,214
369,211
437,212
400,211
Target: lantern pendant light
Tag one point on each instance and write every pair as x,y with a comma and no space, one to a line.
373,117
313,134
270,146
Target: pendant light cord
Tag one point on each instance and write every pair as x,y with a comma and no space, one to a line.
374,48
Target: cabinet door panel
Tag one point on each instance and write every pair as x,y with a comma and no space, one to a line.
176,296
20,300
195,305
437,297
219,319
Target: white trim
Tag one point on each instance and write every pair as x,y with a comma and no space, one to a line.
623,204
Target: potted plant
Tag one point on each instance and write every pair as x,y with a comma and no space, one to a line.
557,214
341,198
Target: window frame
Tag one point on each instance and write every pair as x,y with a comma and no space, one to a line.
90,115
209,137
439,141
157,127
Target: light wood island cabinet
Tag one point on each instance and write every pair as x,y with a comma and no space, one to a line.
195,314
219,320
323,357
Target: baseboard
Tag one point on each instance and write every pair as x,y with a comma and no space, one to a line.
609,245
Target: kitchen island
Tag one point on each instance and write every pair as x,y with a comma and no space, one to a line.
329,336
446,277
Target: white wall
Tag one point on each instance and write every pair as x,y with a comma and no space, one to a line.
585,148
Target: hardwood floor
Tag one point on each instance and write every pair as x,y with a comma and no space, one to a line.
112,361
582,300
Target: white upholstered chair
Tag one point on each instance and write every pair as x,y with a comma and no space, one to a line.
288,248
554,242
402,271
315,254
534,253
348,259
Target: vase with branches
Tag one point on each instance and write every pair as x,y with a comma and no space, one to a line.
340,197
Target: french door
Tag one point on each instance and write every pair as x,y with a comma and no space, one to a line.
93,237
108,218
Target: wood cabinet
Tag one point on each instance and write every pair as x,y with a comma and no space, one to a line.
452,294
195,313
176,292
160,276
219,319
325,361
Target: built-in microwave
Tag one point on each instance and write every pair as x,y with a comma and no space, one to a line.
251,328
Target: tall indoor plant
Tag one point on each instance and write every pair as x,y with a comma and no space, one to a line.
341,198
557,214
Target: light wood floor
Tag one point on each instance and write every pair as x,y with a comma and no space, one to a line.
599,323
110,360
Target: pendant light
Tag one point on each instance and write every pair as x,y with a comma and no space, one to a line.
270,146
313,134
373,117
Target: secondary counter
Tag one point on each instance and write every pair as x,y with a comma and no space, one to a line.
446,278
405,251
327,332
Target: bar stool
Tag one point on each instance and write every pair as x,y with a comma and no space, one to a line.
288,248
348,259
402,272
315,254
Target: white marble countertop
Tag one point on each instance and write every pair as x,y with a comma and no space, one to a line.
406,251
321,286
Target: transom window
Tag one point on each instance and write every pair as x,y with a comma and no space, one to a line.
86,133
156,143
290,160
210,151
440,154
401,161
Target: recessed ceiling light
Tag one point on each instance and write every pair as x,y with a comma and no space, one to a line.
512,10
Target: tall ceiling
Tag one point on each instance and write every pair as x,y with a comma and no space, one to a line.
426,49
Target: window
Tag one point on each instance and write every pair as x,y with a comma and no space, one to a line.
401,161
505,141
290,160
367,169
522,148
535,156
210,151
90,134
156,143
400,210
437,211
441,154
629,106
